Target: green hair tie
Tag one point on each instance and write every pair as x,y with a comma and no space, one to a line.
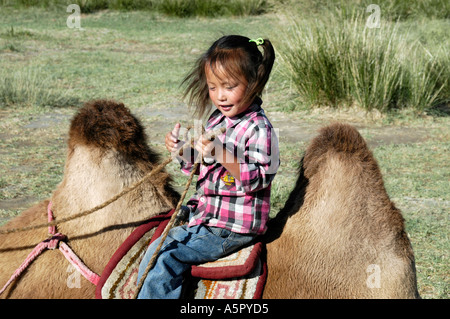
257,41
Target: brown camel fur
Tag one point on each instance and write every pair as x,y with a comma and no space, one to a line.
107,151
339,235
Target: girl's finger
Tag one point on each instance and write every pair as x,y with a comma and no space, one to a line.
176,132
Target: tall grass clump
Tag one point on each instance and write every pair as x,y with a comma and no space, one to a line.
211,8
427,80
341,62
29,87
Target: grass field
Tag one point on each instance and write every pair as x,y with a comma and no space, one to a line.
47,70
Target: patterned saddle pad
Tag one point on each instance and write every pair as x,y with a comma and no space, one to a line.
239,275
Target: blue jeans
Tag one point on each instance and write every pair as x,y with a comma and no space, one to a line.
183,247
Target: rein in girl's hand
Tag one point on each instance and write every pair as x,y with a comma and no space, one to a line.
205,144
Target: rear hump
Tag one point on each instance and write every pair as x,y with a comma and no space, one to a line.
339,138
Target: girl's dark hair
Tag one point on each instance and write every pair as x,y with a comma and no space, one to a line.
241,59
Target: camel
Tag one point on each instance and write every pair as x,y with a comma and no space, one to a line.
338,236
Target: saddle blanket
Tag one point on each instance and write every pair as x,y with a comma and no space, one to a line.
241,275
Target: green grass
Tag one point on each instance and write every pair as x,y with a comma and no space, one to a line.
417,179
29,87
116,55
47,70
417,170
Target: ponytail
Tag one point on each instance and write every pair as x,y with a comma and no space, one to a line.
265,66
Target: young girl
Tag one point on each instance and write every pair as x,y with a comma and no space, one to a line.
232,200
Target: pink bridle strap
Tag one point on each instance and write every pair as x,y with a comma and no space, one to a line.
70,255
78,264
52,243
46,244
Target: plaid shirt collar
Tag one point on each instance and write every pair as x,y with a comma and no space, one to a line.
255,107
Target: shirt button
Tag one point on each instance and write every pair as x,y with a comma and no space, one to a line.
202,199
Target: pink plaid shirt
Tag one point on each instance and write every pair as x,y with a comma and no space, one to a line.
221,200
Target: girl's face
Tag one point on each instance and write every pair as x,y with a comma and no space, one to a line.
225,92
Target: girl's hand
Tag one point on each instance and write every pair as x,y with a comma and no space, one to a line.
171,140
206,148
214,151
